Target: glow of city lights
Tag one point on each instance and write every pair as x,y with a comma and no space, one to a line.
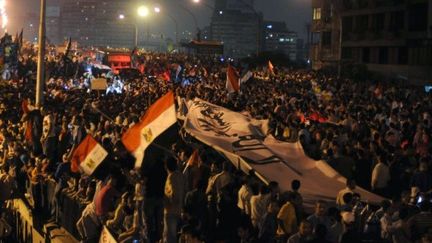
157,10
3,14
143,11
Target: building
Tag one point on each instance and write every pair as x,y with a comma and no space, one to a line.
204,47
277,38
52,22
97,23
302,51
238,26
393,37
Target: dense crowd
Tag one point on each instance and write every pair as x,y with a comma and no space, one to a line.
375,134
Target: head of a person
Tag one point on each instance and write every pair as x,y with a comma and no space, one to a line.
274,187
305,228
320,208
295,185
348,198
351,184
264,189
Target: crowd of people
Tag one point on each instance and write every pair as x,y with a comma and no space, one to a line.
375,134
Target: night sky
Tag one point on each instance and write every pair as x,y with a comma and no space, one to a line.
296,13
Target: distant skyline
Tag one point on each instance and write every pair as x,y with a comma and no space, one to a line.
296,13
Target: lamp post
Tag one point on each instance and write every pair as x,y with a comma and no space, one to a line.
158,10
142,11
41,56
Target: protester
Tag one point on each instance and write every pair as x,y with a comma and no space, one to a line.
346,123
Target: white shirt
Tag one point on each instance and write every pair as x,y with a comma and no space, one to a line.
259,205
244,199
48,126
380,176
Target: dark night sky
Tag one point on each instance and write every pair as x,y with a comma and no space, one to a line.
294,12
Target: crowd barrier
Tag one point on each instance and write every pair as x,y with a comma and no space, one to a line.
25,229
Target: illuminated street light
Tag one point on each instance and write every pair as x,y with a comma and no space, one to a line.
196,1
157,10
220,12
121,16
143,11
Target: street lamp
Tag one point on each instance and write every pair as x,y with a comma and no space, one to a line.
143,11
158,10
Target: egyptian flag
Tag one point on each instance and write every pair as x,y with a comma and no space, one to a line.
232,82
87,156
158,118
248,75
271,67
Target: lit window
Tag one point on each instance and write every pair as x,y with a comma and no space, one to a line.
271,35
281,40
316,13
269,26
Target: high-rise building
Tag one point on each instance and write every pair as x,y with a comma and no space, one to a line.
97,22
238,26
53,22
277,38
393,37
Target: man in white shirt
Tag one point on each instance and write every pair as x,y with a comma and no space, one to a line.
259,204
48,138
350,187
244,197
380,176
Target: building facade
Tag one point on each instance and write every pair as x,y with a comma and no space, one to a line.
97,23
277,38
393,37
238,26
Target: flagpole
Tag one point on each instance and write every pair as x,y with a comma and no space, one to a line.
41,56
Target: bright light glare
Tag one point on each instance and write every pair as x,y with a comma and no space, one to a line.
4,17
157,10
143,11
196,1
121,16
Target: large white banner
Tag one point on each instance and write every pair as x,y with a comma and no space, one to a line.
242,140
